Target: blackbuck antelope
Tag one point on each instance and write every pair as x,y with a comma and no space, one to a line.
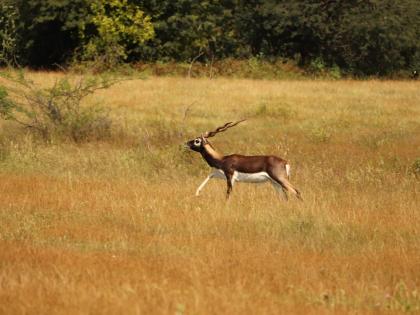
239,168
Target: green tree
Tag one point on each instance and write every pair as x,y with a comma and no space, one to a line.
359,36
380,40
8,32
362,37
114,29
187,28
52,31
49,30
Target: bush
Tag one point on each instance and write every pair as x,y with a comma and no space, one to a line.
415,168
55,111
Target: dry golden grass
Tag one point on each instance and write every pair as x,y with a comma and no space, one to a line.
114,227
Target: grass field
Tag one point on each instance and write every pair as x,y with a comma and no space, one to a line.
113,227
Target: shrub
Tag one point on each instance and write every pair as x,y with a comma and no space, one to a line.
274,109
415,168
55,111
320,134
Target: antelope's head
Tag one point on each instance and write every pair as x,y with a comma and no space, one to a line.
198,143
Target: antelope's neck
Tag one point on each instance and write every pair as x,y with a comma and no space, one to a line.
212,157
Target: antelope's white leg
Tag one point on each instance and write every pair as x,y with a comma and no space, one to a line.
234,178
197,193
216,173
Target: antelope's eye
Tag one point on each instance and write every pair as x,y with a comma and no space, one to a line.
197,142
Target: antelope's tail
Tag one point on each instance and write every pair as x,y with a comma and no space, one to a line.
287,166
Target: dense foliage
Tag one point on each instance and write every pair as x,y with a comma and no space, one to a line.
8,31
119,26
374,37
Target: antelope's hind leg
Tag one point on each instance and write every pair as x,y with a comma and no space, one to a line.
280,189
285,185
290,188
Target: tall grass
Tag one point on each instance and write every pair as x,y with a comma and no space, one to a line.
114,227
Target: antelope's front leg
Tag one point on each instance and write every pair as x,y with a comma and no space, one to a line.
197,193
229,181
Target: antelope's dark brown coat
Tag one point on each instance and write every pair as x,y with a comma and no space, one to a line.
274,166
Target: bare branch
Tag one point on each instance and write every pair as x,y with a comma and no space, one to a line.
200,53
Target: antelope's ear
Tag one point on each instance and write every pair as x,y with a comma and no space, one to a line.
204,138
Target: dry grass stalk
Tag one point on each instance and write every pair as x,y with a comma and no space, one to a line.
114,228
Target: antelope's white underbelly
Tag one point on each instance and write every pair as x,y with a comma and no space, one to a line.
259,177
251,177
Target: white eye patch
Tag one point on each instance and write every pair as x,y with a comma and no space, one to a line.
197,142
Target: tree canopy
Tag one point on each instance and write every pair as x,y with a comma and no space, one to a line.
367,37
